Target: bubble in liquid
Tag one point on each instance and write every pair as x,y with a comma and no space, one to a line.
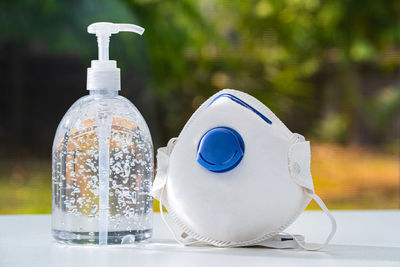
125,191
94,209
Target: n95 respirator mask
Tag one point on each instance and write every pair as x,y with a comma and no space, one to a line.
235,176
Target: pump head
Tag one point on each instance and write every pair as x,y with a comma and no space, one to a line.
103,73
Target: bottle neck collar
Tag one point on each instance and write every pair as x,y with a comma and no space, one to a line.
108,93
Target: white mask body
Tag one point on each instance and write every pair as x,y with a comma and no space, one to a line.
249,197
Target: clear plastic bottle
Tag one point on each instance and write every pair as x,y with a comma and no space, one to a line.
102,167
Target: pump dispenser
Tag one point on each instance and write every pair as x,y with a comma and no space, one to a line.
104,74
102,160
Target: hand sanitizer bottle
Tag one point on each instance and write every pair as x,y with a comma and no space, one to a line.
102,160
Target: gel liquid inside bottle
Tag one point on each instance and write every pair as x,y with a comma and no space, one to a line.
102,160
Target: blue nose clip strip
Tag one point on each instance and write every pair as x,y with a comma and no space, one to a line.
220,149
242,103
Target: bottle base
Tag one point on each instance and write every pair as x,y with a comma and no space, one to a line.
114,238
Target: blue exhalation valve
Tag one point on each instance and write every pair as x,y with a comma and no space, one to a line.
220,149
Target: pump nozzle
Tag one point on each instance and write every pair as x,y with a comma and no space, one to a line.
104,73
103,31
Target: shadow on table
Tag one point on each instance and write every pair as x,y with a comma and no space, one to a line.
337,252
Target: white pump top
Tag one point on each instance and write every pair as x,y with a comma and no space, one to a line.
103,73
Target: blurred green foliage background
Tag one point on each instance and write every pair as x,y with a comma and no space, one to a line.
329,69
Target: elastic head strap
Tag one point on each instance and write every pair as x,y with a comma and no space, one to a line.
331,234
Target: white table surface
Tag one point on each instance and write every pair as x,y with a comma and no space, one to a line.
367,238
